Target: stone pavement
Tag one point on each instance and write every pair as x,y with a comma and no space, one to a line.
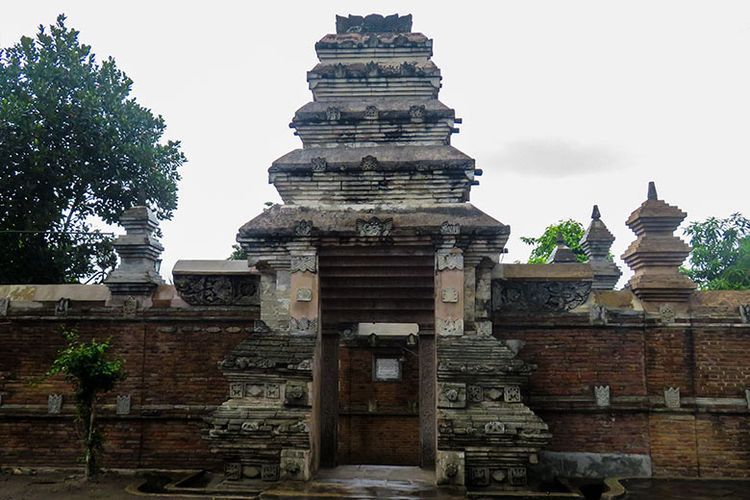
685,489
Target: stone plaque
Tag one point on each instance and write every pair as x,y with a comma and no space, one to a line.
451,395
598,315
450,327
449,295
218,290
449,467
387,369
123,404
374,227
54,403
494,393
303,326
304,227
273,391
479,476
512,394
666,314
254,390
295,394
447,260
304,294
303,263
476,394
494,428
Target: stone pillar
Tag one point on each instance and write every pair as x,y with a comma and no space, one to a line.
656,255
449,292
136,275
304,287
597,243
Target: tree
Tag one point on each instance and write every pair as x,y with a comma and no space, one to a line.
86,367
74,147
720,258
238,253
572,231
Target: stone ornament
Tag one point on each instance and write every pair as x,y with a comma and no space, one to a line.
304,263
494,428
236,390
129,306
333,113
304,295
451,395
369,162
450,327
601,395
62,307
250,426
303,228
218,290
666,314
123,404
672,397
483,328
494,393
319,164
517,476
512,394
745,313
598,315
449,295
295,394
448,260
555,296
273,391
54,403
269,472
305,365
254,390
475,393
303,326
373,23
4,303
499,476
371,112
374,227
417,112
479,476
448,229
449,467
233,471
295,464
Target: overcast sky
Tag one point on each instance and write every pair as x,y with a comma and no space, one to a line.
564,104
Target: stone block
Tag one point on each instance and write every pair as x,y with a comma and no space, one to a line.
295,465
450,468
451,395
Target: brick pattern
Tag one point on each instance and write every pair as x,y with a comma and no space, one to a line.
605,432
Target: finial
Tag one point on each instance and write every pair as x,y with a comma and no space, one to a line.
560,240
595,213
652,191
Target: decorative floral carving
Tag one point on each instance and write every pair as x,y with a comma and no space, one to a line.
450,327
494,428
601,394
555,296
666,314
319,164
451,395
451,469
218,290
250,426
476,394
123,404
479,476
129,305
374,227
517,476
333,113
269,472
449,295
369,162
371,112
303,228
303,326
54,403
448,229
417,111
273,391
598,315
303,263
672,397
449,260
233,471
304,294
236,390
512,394
295,393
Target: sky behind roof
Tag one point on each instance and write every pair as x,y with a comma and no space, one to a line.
564,104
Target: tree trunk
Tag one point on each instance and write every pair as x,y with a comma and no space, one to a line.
90,457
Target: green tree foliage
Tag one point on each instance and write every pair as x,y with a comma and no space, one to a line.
86,367
572,231
74,146
237,253
720,259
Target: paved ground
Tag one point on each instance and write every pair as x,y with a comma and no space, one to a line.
680,489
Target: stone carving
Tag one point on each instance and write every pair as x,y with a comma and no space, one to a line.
304,263
448,229
598,315
666,314
294,464
493,394
123,404
319,164
374,23
374,227
369,162
499,476
236,390
601,394
555,296
333,113
450,327
512,394
54,403
449,295
494,428
479,476
745,313
129,305
303,326
269,472
450,467
672,397
372,70
483,328
62,306
233,471
295,394
305,365
371,112
218,290
303,228
254,390
250,426
304,294
447,259
4,303
515,345
517,476
273,391
251,472
476,394
417,112
451,395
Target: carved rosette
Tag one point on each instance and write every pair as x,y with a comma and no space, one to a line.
374,228
369,162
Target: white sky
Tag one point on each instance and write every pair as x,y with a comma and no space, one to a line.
565,104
